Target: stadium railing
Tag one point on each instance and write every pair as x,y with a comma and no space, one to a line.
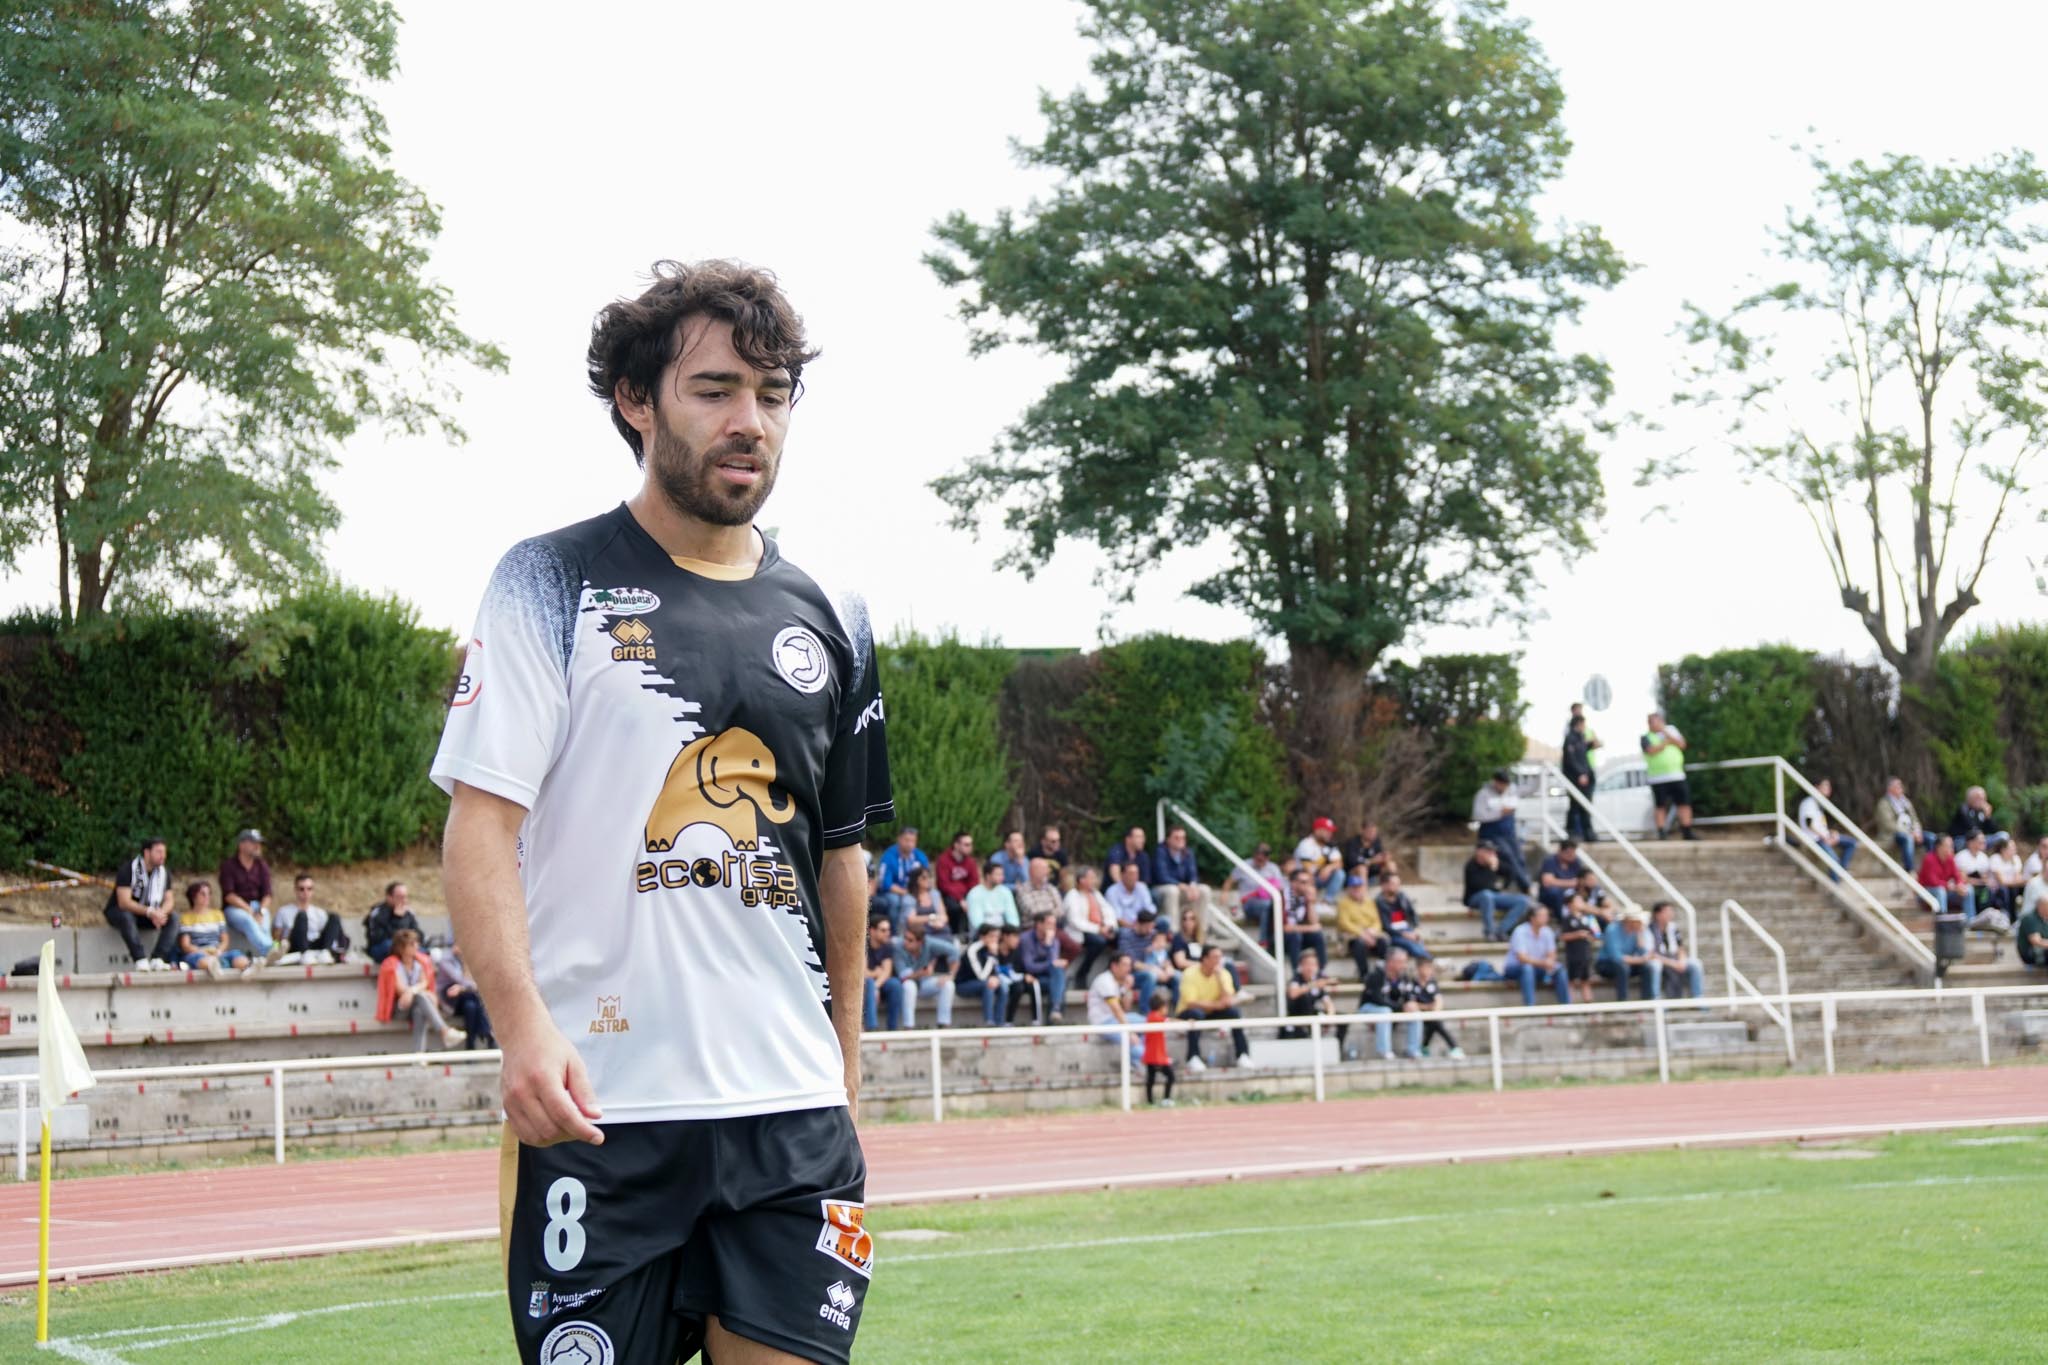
1552,783
1739,982
1795,840
938,1039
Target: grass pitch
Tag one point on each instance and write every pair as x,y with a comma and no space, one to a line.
1925,1247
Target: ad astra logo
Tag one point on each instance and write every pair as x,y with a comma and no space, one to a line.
872,713
609,1018
623,601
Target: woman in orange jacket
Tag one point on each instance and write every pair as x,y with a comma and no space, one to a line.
405,989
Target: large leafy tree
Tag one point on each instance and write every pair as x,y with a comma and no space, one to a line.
1308,316
213,276
1894,380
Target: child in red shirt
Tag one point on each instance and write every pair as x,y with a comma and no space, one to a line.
1158,1061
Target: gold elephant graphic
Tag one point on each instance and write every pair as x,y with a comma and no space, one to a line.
723,780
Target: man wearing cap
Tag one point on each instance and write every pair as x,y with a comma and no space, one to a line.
1625,952
1319,855
899,860
245,895
1493,811
1664,755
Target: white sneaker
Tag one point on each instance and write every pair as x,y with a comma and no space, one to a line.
320,957
276,953
1247,1064
1458,1052
1166,1103
213,968
288,960
452,1036
1197,1064
254,968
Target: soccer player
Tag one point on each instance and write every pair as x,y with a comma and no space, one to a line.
663,752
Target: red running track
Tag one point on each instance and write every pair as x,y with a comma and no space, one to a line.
109,1224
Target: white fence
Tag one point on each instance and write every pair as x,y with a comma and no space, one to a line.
1778,1008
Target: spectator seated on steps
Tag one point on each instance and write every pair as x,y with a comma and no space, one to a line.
1367,852
1089,920
245,895
1674,972
1130,895
1175,880
1040,958
924,972
1940,875
1359,926
1486,892
1210,992
980,975
1383,996
311,936
203,936
991,903
1012,859
1813,821
898,861
1320,856
1309,992
2032,936
1973,817
1895,820
1625,951
141,911
1300,926
386,918
957,872
1109,1006
1421,995
1397,913
1532,960
1259,889
881,994
1558,877
460,998
406,992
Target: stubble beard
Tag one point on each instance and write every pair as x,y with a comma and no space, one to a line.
688,478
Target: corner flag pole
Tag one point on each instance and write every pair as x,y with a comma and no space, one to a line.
43,1245
60,1073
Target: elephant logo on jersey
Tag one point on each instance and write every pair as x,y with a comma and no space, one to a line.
724,780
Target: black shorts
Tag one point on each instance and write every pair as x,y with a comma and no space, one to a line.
620,1252
1672,793
1578,960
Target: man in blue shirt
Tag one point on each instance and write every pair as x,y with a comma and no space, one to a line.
1012,859
1532,957
899,860
1129,849
1174,881
1625,951
1128,896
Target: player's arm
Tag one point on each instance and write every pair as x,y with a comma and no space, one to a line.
548,1095
843,890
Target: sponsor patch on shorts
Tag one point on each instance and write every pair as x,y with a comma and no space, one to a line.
577,1343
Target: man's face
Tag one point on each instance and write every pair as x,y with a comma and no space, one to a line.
1310,967
1210,961
713,436
1539,917
1662,917
1369,831
1486,855
249,849
304,889
1014,844
1895,788
906,841
992,876
1825,788
963,847
154,855
1390,886
1135,840
1045,929
401,896
878,934
1040,871
1656,721
1302,883
1121,969
1177,840
1128,873
1397,962
1050,841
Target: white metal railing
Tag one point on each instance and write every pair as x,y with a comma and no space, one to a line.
1217,919
1317,1025
1795,839
1739,982
1547,773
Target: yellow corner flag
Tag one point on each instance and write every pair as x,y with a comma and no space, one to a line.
61,1073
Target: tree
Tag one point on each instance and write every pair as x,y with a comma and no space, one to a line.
1308,319
1928,363
215,276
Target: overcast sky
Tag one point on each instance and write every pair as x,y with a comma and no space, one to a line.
823,139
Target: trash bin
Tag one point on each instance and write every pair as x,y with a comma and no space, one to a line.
1949,945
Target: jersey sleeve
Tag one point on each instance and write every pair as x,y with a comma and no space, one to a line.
856,790
510,713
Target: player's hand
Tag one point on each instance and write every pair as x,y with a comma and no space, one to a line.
548,1095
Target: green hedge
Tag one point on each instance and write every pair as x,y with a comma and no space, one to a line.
315,721
946,755
1983,721
1470,705
1739,703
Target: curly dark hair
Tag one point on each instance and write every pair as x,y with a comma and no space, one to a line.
634,340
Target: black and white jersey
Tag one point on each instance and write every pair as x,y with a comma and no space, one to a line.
688,740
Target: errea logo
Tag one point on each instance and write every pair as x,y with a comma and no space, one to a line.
837,1308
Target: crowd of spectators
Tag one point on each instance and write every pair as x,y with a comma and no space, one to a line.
201,936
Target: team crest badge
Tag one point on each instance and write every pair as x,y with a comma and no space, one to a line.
537,1300
577,1343
801,659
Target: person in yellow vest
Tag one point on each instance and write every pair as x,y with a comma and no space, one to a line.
1664,754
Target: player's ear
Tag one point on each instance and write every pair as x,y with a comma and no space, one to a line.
635,406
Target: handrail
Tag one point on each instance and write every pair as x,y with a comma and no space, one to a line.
1738,980
1251,946
1792,834
1602,824
938,1038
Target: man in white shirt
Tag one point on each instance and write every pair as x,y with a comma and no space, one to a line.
1493,811
1106,1008
312,936
1813,820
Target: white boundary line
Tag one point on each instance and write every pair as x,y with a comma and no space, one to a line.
183,1333
1368,1160
1196,1175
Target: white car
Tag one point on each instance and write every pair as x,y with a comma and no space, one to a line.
1621,794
